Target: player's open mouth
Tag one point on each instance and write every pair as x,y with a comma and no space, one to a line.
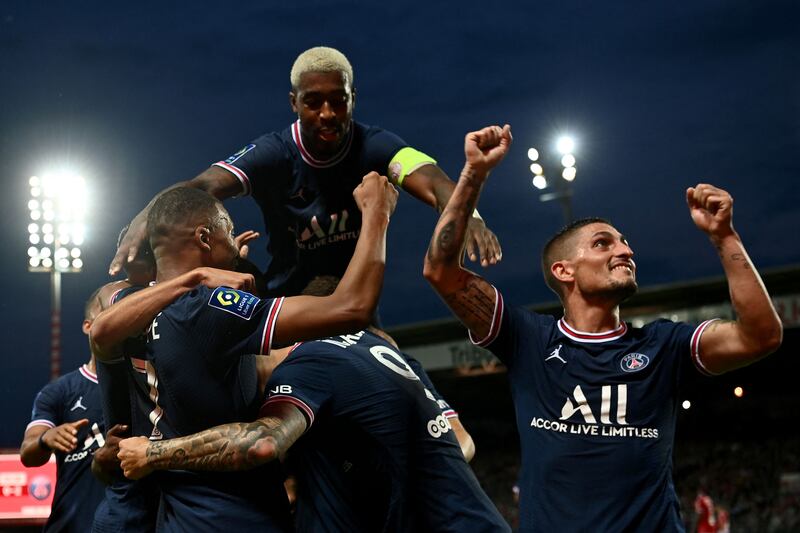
328,134
624,267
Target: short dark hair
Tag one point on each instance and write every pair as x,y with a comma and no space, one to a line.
555,248
178,207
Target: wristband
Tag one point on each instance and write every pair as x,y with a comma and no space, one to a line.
42,444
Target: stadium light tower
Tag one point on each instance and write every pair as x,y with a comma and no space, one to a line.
56,230
560,188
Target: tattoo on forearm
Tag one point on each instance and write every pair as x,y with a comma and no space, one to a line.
446,238
237,446
474,303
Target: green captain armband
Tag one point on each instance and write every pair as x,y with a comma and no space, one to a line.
406,161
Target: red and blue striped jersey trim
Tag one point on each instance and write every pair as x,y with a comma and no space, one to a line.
583,336
239,173
319,163
694,346
269,325
497,319
88,374
297,402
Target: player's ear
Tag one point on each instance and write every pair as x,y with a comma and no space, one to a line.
293,101
202,237
563,271
86,326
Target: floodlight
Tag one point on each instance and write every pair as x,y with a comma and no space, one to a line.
533,154
686,404
565,144
568,161
537,169
539,181
569,173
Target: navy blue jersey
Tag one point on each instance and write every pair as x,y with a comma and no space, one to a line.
199,377
72,397
596,416
378,454
129,506
311,220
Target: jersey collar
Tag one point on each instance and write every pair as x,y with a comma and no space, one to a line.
582,336
88,374
321,163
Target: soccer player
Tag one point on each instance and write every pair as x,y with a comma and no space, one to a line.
129,506
199,342
67,420
302,178
596,399
364,433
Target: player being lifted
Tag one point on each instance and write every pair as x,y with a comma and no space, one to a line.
596,422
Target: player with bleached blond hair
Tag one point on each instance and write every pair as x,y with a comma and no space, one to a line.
302,179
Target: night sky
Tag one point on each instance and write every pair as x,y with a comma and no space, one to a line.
658,95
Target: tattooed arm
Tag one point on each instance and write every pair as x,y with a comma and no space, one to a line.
757,331
469,296
235,446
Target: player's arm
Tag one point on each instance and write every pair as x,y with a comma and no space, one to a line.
430,185
133,314
757,330
220,183
470,297
230,447
352,305
463,437
40,441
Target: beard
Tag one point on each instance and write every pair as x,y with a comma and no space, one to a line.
620,291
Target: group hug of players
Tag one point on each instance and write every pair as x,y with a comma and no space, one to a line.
217,381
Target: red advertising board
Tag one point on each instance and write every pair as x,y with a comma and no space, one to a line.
25,493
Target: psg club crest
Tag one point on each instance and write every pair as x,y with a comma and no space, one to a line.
40,487
633,362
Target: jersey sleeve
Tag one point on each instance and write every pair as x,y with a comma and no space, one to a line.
228,321
684,340
255,163
305,382
47,407
380,146
511,325
416,366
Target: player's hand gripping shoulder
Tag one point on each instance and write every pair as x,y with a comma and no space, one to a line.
375,194
757,330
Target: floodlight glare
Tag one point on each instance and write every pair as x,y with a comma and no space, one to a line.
533,154
47,262
34,262
33,251
539,182
36,215
34,181
537,169
77,264
75,253
33,228
47,228
686,404
45,252
36,192
738,392
569,173
565,145
568,161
